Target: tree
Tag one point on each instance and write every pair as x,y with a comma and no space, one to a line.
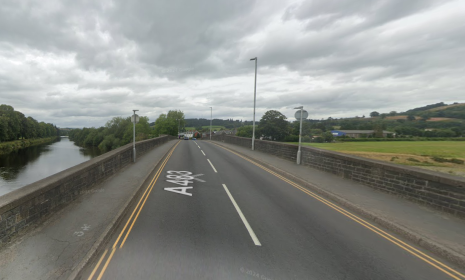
305,128
378,130
411,117
178,116
273,124
165,125
392,113
374,114
245,131
328,136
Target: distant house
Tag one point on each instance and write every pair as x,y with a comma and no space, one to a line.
358,133
226,131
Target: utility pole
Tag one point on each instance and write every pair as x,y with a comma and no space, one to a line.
134,121
254,102
211,116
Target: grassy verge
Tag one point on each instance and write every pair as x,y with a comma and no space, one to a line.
431,155
8,147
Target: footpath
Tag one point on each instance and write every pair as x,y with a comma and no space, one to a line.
438,232
60,247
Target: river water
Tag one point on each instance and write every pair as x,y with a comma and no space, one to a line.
29,165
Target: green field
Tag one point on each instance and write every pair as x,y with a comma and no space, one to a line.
414,153
214,127
420,148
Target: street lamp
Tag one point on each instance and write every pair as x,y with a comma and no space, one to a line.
300,132
135,119
211,115
254,98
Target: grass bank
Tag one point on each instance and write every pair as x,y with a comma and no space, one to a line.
8,147
423,154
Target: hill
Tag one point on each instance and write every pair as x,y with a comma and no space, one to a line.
439,112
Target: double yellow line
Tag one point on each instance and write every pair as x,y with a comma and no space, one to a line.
136,209
412,250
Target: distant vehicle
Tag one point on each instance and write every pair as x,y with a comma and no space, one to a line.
194,139
186,138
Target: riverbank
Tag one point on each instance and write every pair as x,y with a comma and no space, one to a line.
8,147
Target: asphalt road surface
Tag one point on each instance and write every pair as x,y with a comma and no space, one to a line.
210,214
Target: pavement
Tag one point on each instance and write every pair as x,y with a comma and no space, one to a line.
212,213
66,241
211,210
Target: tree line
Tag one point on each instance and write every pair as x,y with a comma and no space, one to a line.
119,131
228,123
14,125
274,126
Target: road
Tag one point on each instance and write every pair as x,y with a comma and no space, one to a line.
211,214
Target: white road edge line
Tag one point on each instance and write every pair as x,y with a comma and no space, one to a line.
244,220
212,166
203,153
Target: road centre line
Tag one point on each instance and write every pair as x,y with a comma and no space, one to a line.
244,220
412,250
203,153
212,166
146,195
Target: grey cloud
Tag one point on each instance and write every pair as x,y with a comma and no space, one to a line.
101,59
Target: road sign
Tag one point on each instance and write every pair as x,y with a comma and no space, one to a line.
137,118
304,115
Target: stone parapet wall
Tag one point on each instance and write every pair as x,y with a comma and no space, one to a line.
33,203
434,189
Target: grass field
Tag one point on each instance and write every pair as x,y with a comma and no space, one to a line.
214,127
414,153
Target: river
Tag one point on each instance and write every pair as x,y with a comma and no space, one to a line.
31,164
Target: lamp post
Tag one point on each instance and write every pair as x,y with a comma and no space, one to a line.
254,98
134,120
211,116
300,133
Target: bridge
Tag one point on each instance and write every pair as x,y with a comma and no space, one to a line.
217,210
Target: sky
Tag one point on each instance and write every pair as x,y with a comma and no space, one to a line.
80,63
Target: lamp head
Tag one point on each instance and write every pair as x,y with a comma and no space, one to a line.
255,58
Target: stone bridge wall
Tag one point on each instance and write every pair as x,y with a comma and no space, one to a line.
35,202
438,190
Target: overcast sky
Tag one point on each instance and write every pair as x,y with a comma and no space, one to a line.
80,63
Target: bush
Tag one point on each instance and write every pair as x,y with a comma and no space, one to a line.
291,138
318,140
454,160
457,161
306,139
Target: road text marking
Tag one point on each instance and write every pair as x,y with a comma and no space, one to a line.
244,220
212,166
